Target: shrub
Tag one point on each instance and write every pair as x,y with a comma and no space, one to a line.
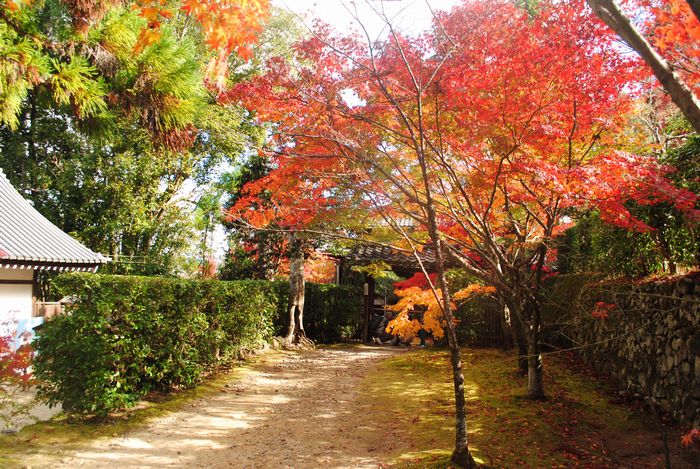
15,376
332,313
126,336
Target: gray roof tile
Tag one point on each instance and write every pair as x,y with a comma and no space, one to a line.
368,253
26,236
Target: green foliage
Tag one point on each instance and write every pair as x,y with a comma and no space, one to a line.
117,199
476,315
673,241
165,86
253,253
74,84
685,160
282,31
127,336
593,245
104,138
99,70
332,313
476,318
562,294
377,270
21,66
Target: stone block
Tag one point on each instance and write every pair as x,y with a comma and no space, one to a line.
685,368
695,343
686,286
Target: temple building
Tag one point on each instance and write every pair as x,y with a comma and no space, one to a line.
29,243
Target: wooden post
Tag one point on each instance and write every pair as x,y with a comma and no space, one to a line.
365,310
367,306
36,293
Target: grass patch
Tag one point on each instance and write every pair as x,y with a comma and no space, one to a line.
569,429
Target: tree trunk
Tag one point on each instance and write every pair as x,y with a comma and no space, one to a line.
609,11
520,339
507,327
518,334
665,250
535,389
296,333
461,455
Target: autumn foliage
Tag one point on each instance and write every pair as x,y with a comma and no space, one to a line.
489,132
602,310
14,363
538,121
419,279
229,26
675,31
518,120
420,296
689,438
318,268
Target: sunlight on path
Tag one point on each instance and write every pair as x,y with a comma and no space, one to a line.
298,410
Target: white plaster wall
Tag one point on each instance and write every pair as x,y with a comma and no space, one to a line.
16,302
16,274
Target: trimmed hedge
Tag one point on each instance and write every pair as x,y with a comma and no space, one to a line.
127,335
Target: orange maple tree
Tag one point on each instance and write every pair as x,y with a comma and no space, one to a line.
416,292
318,268
675,32
487,132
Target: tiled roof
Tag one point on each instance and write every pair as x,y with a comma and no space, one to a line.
401,222
29,239
368,253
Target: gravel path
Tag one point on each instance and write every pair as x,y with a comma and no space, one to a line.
295,410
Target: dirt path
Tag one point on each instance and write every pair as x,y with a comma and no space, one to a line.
294,410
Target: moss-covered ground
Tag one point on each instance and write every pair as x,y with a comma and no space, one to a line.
579,425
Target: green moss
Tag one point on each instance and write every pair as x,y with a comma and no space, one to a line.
505,429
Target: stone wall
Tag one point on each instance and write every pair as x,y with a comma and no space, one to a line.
650,342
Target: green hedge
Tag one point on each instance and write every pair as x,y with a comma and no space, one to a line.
127,336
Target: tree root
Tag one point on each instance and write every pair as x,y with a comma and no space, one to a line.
300,342
463,459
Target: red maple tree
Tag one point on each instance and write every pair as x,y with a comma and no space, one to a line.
487,131
665,34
